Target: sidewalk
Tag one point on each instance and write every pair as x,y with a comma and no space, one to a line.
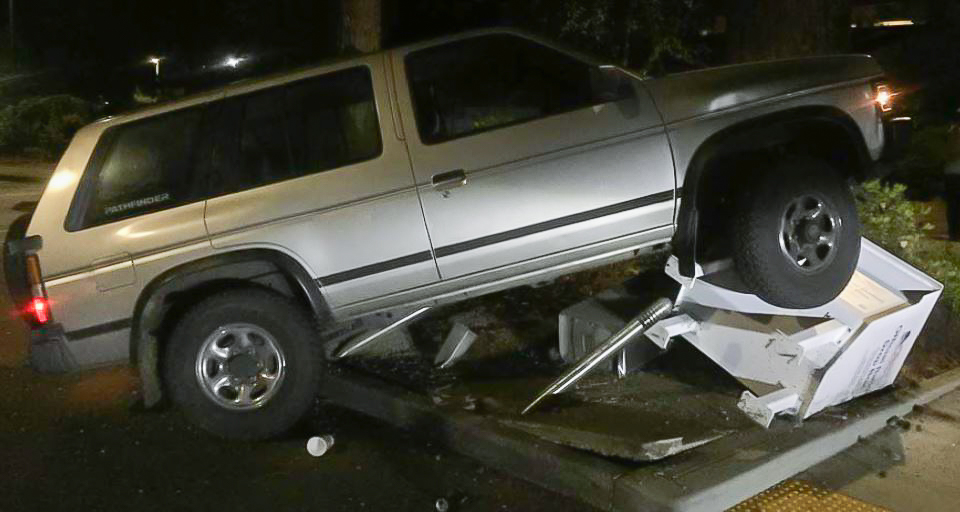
25,170
908,467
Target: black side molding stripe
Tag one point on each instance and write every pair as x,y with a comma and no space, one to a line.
425,256
376,268
97,330
476,243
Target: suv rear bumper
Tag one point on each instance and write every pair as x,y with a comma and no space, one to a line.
48,350
897,134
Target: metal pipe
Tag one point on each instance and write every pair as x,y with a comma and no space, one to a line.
635,328
357,345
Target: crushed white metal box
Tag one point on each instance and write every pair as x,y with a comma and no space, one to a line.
800,362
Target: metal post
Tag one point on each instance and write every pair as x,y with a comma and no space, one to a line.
13,37
656,312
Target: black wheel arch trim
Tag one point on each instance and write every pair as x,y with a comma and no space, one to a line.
151,306
744,136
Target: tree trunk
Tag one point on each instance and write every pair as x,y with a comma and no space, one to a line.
362,25
774,29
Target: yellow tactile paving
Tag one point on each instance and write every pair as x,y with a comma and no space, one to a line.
796,496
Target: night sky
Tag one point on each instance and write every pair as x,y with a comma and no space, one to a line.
92,39
98,49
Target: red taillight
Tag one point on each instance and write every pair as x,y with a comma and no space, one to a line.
40,309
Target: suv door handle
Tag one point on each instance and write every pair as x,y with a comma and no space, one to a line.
449,180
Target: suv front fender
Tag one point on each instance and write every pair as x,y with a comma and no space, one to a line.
762,133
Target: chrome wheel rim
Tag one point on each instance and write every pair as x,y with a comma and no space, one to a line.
809,233
240,367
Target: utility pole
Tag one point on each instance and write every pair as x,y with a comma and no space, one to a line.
13,37
362,25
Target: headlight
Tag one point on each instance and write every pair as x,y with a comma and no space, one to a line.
884,97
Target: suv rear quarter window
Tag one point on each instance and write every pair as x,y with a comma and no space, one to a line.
141,167
226,146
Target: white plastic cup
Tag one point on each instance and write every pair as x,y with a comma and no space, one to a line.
317,446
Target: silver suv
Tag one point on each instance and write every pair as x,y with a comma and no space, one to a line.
209,240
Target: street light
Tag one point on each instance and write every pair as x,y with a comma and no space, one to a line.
233,62
156,64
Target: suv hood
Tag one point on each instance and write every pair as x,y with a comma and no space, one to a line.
695,93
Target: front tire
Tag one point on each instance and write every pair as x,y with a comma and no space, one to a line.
244,364
796,235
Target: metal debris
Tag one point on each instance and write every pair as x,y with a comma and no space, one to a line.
632,331
355,346
899,423
459,340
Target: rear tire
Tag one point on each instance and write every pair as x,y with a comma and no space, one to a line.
796,234
244,364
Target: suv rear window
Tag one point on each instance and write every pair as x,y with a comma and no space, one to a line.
144,166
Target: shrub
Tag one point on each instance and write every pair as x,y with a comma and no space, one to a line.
897,225
890,220
930,149
43,124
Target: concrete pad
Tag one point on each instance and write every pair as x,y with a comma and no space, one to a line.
907,467
712,477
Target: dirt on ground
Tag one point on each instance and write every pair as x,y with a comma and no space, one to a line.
937,349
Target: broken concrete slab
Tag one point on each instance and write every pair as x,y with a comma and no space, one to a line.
621,447
643,417
714,476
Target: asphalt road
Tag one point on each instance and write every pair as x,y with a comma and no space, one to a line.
81,442
20,182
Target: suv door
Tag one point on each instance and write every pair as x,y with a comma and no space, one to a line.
306,167
519,154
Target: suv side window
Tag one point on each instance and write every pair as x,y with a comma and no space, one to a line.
145,166
297,129
488,82
277,134
264,141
